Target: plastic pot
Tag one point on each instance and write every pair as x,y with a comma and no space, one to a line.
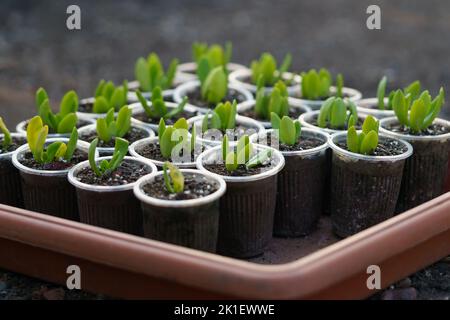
189,69
91,115
252,126
132,97
307,119
364,189
248,105
111,207
301,186
351,94
426,171
190,86
237,78
10,187
370,106
48,191
190,223
247,209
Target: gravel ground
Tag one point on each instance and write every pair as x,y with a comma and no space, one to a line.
36,50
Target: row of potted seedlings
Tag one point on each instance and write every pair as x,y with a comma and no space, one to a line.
268,164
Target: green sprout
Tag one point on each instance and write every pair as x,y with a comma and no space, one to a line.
66,119
335,113
174,180
158,108
316,85
413,90
106,167
37,134
276,101
422,111
171,136
108,96
289,130
6,135
265,71
213,83
365,142
214,55
150,73
108,127
223,117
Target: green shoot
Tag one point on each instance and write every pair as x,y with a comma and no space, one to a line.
158,108
106,167
316,85
335,113
289,130
223,117
365,142
264,70
213,82
150,73
174,180
171,136
6,135
276,101
215,55
108,96
413,90
108,127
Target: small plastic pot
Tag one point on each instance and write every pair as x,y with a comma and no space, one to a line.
10,187
351,94
132,97
307,119
301,186
237,78
206,138
114,207
370,106
247,209
182,90
95,116
104,152
48,191
189,223
189,69
426,171
248,105
364,189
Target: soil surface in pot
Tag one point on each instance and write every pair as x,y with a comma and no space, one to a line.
127,172
80,123
248,80
241,171
142,116
28,161
16,142
195,98
303,143
433,130
195,186
387,147
322,99
314,118
134,134
153,152
88,106
294,113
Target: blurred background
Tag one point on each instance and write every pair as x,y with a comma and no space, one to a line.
36,49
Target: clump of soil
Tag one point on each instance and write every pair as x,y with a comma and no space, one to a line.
80,123
134,134
294,113
433,130
28,161
387,147
195,186
314,118
142,116
127,172
152,151
16,142
195,98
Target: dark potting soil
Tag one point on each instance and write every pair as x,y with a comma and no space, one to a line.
195,98
303,143
133,135
313,121
387,147
294,113
80,123
195,186
433,130
127,172
88,106
16,142
142,116
78,156
152,151
241,171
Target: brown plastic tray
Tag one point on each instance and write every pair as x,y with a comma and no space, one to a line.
319,266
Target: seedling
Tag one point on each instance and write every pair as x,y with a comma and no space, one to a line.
66,119
265,71
108,127
106,167
276,101
108,96
37,134
171,136
223,117
6,135
213,83
335,113
150,73
413,89
214,55
158,108
174,180
316,85
367,140
289,130
422,112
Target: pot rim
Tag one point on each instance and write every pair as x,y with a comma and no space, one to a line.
132,97
357,156
149,140
259,176
50,173
92,115
13,135
308,152
187,67
93,188
306,124
143,197
137,109
409,137
355,95
375,112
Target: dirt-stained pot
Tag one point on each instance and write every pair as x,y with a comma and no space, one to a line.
48,191
348,93
370,106
426,171
247,209
107,204
10,187
189,218
301,183
365,188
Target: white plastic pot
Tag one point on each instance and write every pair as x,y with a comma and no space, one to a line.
370,106
352,94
